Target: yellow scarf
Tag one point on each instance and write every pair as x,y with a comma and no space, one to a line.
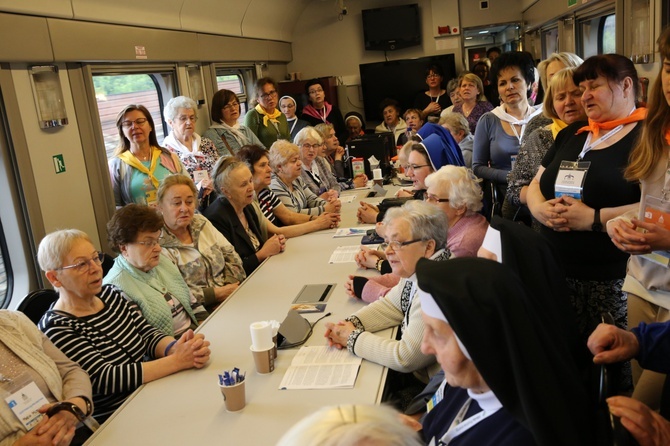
557,126
594,127
266,117
128,158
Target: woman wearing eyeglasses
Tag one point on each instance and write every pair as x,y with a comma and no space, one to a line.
289,187
414,231
456,192
139,163
148,279
227,134
96,327
316,172
265,120
197,154
436,99
320,111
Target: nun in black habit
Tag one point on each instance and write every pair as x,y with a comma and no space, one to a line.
529,391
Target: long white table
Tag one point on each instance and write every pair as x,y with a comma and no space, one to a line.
187,408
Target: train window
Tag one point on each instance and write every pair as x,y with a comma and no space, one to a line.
114,91
233,80
549,42
597,35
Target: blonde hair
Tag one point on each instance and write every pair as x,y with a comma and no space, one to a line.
456,121
55,246
471,77
174,180
558,82
649,148
351,425
569,60
280,152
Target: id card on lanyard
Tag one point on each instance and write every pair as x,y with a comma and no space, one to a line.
657,211
570,179
23,397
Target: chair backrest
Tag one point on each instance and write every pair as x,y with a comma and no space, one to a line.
36,303
107,264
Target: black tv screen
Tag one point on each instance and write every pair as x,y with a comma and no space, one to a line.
401,80
391,28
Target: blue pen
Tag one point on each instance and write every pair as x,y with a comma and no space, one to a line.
220,380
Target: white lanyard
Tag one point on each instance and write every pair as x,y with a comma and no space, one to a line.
323,118
458,426
523,128
588,145
295,121
437,99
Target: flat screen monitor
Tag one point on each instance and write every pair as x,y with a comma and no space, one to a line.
392,28
379,145
401,80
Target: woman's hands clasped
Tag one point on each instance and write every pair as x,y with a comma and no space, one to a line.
191,350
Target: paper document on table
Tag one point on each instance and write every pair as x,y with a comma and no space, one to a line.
347,198
347,254
321,367
353,232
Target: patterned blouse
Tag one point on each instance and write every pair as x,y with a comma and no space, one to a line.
202,159
527,162
480,108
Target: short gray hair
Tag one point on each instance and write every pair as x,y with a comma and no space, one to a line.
174,104
280,152
222,170
456,121
463,187
426,222
307,133
350,425
56,246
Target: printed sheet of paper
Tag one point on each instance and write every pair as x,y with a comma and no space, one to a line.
321,367
353,232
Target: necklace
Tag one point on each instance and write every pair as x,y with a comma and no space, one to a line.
146,157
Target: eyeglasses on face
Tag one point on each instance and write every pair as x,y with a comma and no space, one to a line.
430,198
308,146
432,76
269,94
396,245
183,119
149,243
129,124
416,166
85,265
315,90
231,105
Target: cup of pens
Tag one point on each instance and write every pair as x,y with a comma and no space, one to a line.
262,347
232,388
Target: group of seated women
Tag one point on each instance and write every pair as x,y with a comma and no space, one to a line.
590,170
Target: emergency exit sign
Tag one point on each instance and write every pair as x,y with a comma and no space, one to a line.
572,3
59,163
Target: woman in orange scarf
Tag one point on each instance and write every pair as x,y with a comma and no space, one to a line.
580,186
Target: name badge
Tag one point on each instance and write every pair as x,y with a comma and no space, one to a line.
657,211
570,179
151,197
199,175
25,402
437,397
513,159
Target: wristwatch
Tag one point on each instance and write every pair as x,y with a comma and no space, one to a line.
68,406
597,226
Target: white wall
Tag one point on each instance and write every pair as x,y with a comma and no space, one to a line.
325,46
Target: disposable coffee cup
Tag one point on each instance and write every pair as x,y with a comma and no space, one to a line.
274,349
264,359
261,335
234,396
377,174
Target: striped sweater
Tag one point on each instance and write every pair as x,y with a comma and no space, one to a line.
109,345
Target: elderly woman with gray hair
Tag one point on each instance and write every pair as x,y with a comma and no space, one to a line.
316,172
456,192
197,154
290,188
460,129
414,231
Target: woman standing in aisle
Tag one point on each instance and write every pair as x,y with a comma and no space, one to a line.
265,119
